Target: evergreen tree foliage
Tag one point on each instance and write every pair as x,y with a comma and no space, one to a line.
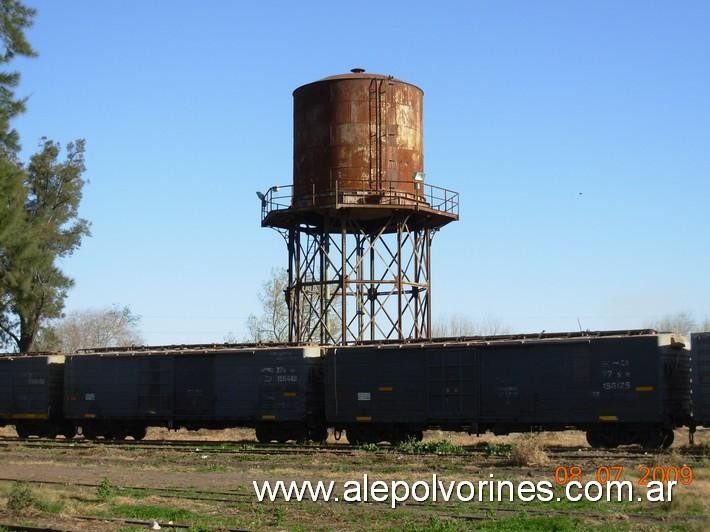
34,286
39,201
14,19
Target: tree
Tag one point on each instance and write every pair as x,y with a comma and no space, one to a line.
461,325
680,322
272,324
111,326
39,221
12,201
14,19
33,288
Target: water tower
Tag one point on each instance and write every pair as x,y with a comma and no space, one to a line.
359,218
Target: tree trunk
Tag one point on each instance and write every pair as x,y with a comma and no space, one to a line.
28,331
25,344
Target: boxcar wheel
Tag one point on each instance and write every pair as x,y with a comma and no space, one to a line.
69,432
596,439
22,431
138,433
655,439
668,441
397,437
318,435
301,437
658,439
354,436
90,433
264,434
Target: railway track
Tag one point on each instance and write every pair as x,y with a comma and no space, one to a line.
222,447
241,447
447,510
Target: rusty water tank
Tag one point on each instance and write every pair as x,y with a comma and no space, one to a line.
357,138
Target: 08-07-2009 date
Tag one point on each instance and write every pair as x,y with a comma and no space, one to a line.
682,474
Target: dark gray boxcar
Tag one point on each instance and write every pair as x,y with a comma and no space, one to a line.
31,394
700,343
270,389
621,389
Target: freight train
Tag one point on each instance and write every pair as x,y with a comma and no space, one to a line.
621,387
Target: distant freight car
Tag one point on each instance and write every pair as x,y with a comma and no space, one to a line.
619,387
31,395
277,391
700,344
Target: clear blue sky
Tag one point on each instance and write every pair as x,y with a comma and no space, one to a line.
187,110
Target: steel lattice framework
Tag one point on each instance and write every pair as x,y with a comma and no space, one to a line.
353,278
349,284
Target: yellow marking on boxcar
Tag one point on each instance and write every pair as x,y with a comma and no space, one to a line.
89,415
28,415
268,417
385,388
608,418
644,388
363,418
289,394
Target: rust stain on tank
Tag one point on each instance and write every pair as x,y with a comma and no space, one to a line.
356,133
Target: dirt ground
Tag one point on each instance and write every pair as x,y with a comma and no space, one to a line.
568,438
210,488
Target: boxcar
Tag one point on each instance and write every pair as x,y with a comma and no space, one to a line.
31,395
619,387
700,343
274,390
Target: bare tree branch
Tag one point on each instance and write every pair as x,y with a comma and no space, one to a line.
112,326
461,325
680,322
272,324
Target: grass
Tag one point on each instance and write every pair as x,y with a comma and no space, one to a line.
535,524
213,468
105,490
433,524
413,446
204,508
684,504
149,512
502,450
21,498
369,447
309,516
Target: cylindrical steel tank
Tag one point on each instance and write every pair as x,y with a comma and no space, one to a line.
357,140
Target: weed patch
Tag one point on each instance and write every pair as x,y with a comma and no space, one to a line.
21,497
502,450
413,446
369,447
105,490
528,450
